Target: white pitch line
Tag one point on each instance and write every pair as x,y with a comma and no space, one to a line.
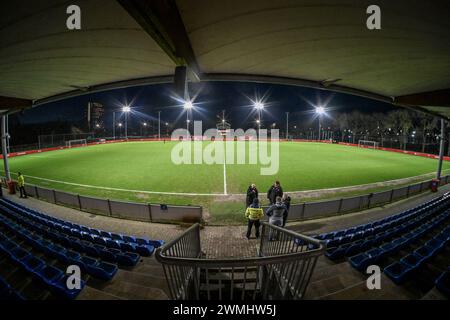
120,189
208,194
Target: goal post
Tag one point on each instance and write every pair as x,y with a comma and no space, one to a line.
76,143
368,144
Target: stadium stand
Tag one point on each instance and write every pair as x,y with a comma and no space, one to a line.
43,246
412,247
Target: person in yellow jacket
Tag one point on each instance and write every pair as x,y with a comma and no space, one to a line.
254,213
21,183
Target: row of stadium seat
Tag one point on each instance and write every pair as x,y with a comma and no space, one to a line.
94,267
142,246
423,254
426,225
109,254
333,238
396,229
52,278
25,232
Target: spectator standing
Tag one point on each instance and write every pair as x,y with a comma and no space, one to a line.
275,191
277,214
287,203
252,193
21,183
254,213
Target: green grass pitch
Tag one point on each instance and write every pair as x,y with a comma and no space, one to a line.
137,171
147,166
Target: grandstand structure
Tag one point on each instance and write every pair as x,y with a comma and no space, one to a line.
182,41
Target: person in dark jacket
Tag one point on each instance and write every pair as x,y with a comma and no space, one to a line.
252,193
274,192
277,214
287,202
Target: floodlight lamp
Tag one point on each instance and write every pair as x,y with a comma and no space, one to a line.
258,105
320,110
126,109
145,123
120,124
188,105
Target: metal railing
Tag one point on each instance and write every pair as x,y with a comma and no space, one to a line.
281,269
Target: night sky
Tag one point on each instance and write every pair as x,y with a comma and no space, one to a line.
211,99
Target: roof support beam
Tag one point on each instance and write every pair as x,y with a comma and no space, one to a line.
439,98
11,103
162,21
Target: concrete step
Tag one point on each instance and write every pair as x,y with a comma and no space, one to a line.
146,280
332,282
90,293
434,294
327,271
359,291
131,291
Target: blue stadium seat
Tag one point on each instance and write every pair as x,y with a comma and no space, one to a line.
129,247
337,252
72,257
435,244
18,254
125,258
413,260
58,251
112,244
60,288
95,232
86,261
354,248
102,270
445,238
99,240
129,238
105,253
398,272
145,250
32,263
49,275
389,247
116,236
425,251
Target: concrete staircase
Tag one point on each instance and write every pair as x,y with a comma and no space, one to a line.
145,281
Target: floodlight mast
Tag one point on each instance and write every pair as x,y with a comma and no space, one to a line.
259,106
126,110
320,111
187,106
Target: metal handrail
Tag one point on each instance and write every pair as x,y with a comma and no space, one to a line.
286,263
261,260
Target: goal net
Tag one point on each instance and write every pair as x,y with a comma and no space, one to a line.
368,144
76,143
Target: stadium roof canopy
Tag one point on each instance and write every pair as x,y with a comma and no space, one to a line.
316,43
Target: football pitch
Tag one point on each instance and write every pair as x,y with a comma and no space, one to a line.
144,171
